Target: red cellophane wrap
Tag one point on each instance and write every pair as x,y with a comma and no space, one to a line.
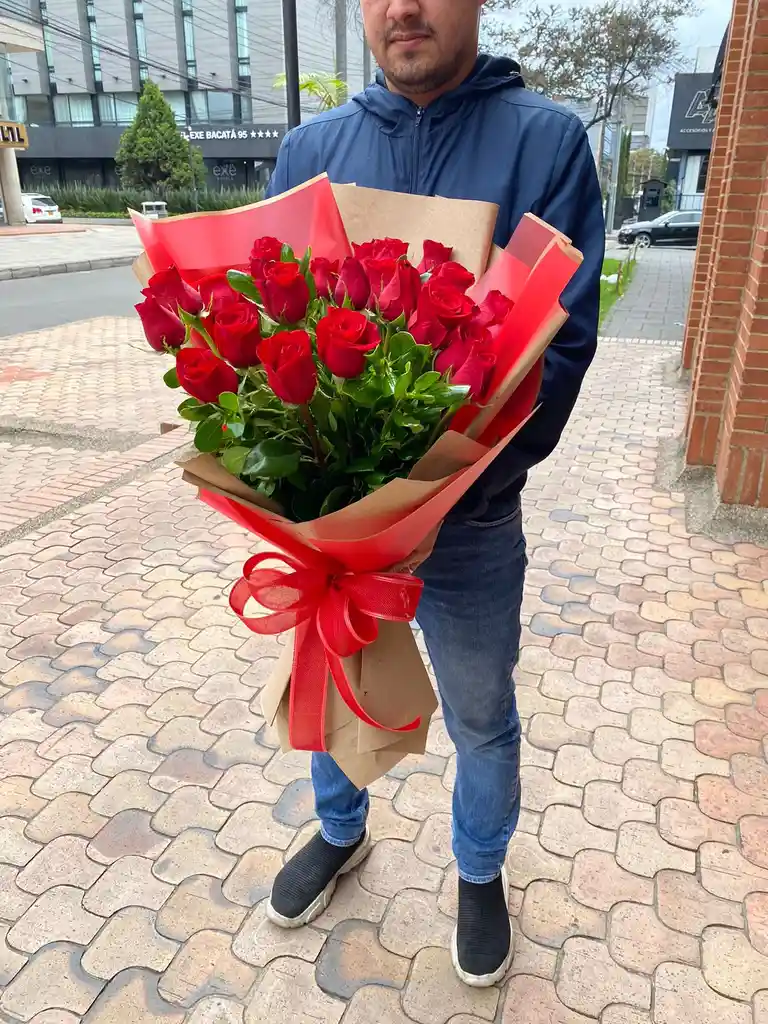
352,681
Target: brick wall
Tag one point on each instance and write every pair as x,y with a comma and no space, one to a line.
726,343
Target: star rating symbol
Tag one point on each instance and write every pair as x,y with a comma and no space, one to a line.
254,133
261,134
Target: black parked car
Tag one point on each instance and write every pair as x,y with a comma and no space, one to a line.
677,228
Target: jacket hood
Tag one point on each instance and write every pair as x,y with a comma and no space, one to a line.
490,74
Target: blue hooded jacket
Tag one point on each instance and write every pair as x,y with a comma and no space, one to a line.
490,139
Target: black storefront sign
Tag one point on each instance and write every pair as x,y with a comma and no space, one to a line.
692,123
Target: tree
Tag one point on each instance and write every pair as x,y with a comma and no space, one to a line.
153,153
604,53
643,165
325,89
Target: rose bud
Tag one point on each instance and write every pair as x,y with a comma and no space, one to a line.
285,292
435,254
353,283
237,335
290,365
381,249
428,332
470,359
217,293
265,250
343,338
401,296
326,275
203,375
170,291
444,302
162,328
454,274
380,272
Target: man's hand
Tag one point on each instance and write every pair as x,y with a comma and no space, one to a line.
420,555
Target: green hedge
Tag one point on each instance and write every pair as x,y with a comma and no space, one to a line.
82,200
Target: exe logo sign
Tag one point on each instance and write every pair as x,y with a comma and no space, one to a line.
699,107
13,135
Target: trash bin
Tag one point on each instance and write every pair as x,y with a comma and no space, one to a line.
155,210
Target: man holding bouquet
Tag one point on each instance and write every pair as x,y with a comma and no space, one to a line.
441,120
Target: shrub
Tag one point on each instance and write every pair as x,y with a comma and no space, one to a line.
84,200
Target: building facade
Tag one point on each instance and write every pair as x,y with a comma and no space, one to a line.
216,61
16,38
691,130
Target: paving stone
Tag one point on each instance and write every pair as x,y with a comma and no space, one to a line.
550,915
761,1007
645,780
642,851
606,806
231,714
720,799
287,992
540,788
684,761
188,807
21,758
128,882
68,814
550,732
715,693
685,906
640,942
656,682
624,1015
184,768
55,916
215,1010
373,1003
353,957
237,747
251,880
17,799
25,724
534,1001
52,978
11,962
750,775
128,833
578,765
527,861
386,823
531,958
13,900
731,966
131,998
125,691
253,824
194,852
753,832
434,843
624,698
616,746
61,862
725,873
393,866
259,942
717,740
125,754
682,823
414,921
130,790
70,774
205,966
756,911
565,831
76,738
422,795
685,709
286,768
434,994
296,805
598,881
244,783
128,939
588,980
682,995
15,848
198,903
176,703
588,713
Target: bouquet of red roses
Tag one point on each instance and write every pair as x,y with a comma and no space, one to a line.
337,386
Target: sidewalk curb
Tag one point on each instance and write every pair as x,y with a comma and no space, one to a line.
17,273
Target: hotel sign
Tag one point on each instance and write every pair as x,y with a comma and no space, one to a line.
13,135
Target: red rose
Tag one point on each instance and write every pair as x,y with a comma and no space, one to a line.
162,328
326,275
454,274
217,293
428,332
204,376
380,272
401,296
381,249
167,288
343,338
237,335
435,255
353,282
290,365
285,292
265,250
442,301
470,359
494,309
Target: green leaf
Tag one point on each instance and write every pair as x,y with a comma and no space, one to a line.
228,400
233,459
236,428
272,460
286,254
401,344
171,378
333,423
366,465
407,422
190,319
244,285
426,380
306,259
338,498
209,436
192,410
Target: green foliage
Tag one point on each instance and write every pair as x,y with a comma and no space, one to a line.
152,152
84,201
610,292
327,91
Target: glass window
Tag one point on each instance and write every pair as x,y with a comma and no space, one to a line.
241,26
39,110
220,106
198,103
178,105
19,108
72,110
680,218
701,181
141,38
189,42
117,108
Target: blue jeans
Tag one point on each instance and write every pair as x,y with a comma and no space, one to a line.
470,615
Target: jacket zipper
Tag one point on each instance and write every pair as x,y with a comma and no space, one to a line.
415,154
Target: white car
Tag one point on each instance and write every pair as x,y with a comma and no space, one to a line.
40,209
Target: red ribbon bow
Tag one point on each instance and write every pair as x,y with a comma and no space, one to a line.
335,615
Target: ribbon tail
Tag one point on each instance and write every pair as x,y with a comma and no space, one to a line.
308,690
348,696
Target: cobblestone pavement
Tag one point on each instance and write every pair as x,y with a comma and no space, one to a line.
656,303
144,808
96,242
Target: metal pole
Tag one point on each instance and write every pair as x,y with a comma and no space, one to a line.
291,46
342,70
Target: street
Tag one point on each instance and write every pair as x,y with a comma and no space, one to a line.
33,303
